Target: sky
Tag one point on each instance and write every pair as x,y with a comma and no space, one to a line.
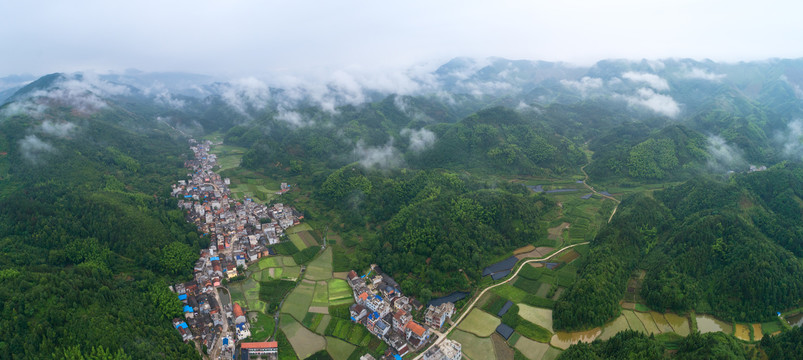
259,38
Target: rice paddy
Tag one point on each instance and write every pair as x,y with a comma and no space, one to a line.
538,316
741,332
648,322
321,295
304,342
321,267
479,323
339,349
297,241
706,324
474,347
298,301
339,292
563,339
531,349
610,329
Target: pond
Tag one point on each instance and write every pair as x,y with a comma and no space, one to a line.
795,320
707,324
224,296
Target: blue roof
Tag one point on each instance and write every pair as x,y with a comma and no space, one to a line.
187,308
397,357
182,325
214,258
225,341
187,196
182,297
379,297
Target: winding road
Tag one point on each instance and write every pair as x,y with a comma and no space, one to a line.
617,201
479,296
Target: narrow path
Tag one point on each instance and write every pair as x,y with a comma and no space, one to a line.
479,296
617,201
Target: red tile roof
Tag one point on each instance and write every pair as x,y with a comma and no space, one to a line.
259,345
238,311
415,328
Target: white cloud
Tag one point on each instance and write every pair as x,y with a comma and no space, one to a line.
420,139
791,140
722,156
32,148
654,81
60,129
382,157
585,84
659,103
245,93
167,99
292,118
795,87
697,73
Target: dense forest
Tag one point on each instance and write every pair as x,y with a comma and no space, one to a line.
89,238
440,229
631,344
722,248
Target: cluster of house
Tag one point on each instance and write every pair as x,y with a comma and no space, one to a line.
239,233
387,313
203,318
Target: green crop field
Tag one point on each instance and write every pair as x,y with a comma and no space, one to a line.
262,329
305,342
298,228
321,295
479,323
321,267
299,300
474,347
297,241
339,349
339,292
531,349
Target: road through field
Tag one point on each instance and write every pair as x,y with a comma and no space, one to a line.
583,169
476,298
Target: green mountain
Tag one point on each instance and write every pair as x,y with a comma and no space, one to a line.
85,221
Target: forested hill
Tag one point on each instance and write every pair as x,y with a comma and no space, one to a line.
89,237
725,248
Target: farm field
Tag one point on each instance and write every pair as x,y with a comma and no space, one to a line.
299,300
661,322
321,267
742,332
321,295
680,324
501,349
246,293
339,349
552,354
339,292
531,349
563,340
305,342
538,316
298,228
297,241
706,324
634,321
479,323
610,329
262,328
475,348
648,322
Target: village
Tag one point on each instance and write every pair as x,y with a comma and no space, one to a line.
239,234
382,308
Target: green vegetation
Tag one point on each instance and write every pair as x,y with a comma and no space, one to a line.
272,292
89,238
